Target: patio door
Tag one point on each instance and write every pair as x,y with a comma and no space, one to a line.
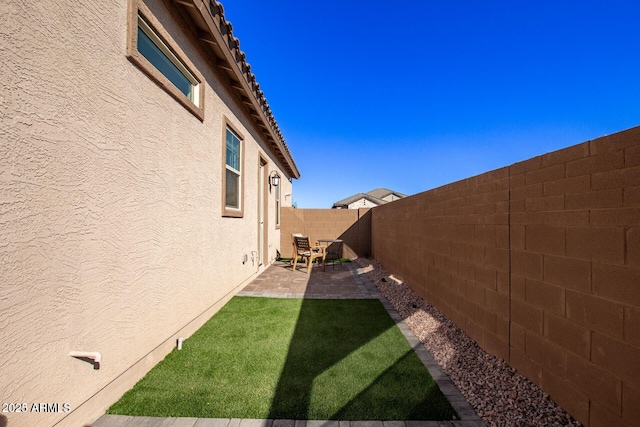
262,212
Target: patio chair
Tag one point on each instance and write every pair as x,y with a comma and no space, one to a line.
302,249
293,244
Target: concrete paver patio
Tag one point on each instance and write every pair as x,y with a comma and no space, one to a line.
280,281
346,281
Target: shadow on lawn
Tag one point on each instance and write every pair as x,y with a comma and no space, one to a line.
369,398
309,363
307,359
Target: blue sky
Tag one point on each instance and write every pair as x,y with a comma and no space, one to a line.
411,95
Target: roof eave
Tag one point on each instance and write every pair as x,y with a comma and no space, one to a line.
215,33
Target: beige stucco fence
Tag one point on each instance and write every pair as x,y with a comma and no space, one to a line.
538,262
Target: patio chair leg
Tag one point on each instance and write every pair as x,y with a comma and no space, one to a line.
295,261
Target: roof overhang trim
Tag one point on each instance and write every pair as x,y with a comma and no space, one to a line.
216,34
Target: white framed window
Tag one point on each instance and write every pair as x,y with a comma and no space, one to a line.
232,178
278,204
155,52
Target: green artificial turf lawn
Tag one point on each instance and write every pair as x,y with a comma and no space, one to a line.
274,358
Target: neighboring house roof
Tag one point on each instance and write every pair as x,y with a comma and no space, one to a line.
374,196
381,193
215,34
355,198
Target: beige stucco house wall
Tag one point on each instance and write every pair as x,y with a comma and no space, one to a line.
391,197
113,236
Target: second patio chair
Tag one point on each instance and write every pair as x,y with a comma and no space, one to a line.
303,249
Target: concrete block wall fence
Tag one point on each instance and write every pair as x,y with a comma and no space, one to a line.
538,262
353,226
451,245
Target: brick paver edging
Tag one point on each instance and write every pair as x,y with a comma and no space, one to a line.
129,421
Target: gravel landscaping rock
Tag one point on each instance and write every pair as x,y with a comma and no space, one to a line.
500,395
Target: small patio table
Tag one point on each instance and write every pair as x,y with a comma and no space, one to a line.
336,253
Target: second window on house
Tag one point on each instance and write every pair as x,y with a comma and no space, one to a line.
233,171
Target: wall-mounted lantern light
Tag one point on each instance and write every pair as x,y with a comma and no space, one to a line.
275,178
